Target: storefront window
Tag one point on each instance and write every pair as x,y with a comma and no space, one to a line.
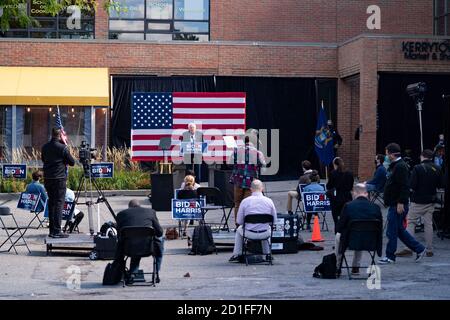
160,20
39,121
49,26
3,133
441,17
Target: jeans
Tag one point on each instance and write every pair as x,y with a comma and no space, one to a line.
395,229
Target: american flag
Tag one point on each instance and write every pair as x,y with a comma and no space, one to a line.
158,115
58,124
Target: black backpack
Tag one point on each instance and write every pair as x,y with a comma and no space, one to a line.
202,240
327,269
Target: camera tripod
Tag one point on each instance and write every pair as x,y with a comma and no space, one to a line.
87,182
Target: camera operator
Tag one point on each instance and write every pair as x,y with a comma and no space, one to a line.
56,156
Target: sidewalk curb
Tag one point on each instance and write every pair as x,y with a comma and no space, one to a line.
107,193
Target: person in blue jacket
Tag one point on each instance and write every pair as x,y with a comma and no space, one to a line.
36,187
379,177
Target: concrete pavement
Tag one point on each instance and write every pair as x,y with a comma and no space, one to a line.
37,276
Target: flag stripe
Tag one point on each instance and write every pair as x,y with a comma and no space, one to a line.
209,111
230,107
210,94
207,100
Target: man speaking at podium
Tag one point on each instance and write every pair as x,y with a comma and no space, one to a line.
191,157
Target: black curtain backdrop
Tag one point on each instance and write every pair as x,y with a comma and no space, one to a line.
447,160
398,119
288,104
124,86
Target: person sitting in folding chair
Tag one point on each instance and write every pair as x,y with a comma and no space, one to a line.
358,209
304,179
376,184
257,203
77,216
137,216
35,187
313,186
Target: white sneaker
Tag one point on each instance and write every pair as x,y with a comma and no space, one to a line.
421,255
386,260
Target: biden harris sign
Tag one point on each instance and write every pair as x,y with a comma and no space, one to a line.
102,170
18,171
316,202
187,209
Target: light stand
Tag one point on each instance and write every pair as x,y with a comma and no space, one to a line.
417,92
87,181
419,104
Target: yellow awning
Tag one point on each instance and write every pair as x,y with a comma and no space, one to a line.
54,86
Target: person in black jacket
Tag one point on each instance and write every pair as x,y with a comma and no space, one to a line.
426,178
137,216
339,187
396,197
56,156
360,208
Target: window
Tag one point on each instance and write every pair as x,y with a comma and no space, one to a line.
48,26
441,17
160,20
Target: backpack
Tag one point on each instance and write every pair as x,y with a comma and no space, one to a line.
327,269
202,240
109,229
113,273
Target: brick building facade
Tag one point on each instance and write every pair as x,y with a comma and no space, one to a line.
269,38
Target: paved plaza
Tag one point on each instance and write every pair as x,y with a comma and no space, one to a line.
37,276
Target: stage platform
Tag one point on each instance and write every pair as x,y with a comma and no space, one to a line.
75,241
224,238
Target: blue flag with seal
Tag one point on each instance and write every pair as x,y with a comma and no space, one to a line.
323,140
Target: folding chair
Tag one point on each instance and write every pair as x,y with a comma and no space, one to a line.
375,196
215,201
138,242
37,208
324,221
185,194
363,235
257,218
301,213
6,212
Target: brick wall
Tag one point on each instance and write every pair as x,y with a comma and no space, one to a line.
101,22
174,59
348,120
315,20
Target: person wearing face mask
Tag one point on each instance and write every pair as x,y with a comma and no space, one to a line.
396,197
426,178
379,177
337,139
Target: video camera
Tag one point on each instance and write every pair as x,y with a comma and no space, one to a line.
85,154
